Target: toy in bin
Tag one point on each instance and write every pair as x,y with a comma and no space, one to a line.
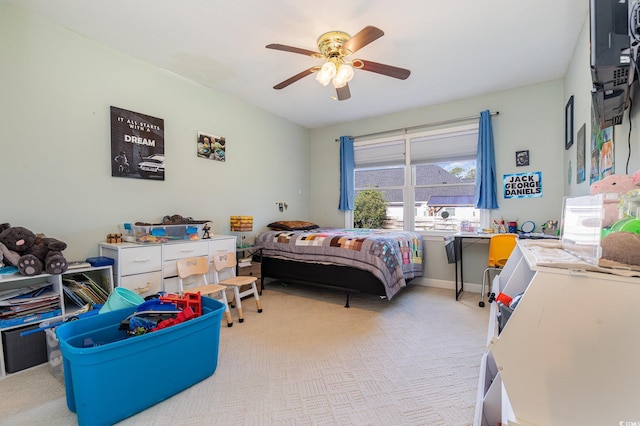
162,312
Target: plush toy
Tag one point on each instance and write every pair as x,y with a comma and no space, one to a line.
622,247
30,253
613,187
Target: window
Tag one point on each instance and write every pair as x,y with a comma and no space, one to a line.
434,172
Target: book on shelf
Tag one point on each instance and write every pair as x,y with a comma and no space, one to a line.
244,264
78,264
16,304
81,289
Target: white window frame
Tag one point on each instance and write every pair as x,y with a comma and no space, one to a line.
409,185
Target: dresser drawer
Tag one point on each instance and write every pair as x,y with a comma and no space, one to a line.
140,259
170,267
182,250
143,284
222,244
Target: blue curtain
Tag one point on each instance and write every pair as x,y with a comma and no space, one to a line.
486,178
347,173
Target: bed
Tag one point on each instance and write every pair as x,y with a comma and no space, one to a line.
372,261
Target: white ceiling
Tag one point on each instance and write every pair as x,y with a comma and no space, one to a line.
454,49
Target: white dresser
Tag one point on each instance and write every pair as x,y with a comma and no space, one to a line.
150,268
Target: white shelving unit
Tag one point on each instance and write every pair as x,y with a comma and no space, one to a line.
568,353
102,275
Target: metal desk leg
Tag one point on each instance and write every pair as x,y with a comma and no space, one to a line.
457,242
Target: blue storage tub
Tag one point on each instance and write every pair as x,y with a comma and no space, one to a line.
123,375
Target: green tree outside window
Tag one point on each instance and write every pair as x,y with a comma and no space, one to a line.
370,209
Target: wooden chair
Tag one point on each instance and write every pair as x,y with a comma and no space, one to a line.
226,262
500,248
198,268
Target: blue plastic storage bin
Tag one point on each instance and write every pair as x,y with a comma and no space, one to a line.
123,376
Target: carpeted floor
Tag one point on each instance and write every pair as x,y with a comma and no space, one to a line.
308,360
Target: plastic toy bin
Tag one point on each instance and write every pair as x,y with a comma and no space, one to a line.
121,376
165,233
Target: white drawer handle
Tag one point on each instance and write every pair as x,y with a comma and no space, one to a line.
144,289
144,259
186,250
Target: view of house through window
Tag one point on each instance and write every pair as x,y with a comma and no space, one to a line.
427,180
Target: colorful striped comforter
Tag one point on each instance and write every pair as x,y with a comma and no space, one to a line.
392,256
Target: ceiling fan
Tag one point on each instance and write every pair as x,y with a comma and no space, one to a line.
334,47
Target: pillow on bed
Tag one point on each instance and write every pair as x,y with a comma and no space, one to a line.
292,225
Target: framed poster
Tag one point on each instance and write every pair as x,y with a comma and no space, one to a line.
580,161
523,185
602,150
568,124
137,145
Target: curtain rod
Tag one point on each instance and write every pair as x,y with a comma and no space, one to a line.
433,123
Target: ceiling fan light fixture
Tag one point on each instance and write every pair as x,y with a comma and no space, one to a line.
343,76
335,47
326,73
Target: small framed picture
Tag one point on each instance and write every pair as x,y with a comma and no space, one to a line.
568,124
211,147
522,158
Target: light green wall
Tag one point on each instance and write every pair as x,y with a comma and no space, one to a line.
56,88
578,83
55,91
531,118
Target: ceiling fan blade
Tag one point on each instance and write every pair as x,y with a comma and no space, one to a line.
293,79
387,70
362,38
293,49
343,93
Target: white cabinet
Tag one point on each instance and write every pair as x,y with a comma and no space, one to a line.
148,269
13,344
568,353
137,267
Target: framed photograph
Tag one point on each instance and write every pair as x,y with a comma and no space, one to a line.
522,158
211,147
568,124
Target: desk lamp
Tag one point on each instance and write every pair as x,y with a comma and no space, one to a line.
241,224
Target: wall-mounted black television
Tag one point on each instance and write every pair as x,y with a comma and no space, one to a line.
610,59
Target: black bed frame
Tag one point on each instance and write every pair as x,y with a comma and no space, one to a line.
328,275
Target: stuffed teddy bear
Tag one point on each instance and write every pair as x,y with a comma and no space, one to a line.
30,253
613,187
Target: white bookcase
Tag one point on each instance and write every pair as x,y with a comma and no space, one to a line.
101,275
568,353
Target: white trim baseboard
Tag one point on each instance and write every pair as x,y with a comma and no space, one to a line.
449,285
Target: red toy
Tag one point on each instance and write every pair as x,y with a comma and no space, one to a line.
189,300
